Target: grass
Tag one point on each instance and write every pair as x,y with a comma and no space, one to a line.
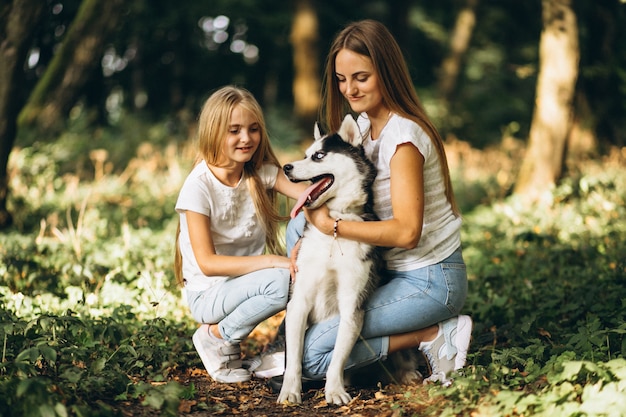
90,315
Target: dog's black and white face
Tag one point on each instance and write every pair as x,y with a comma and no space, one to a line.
340,174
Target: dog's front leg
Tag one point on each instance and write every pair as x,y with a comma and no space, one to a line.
350,324
295,327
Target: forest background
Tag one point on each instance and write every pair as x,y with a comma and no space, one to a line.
98,102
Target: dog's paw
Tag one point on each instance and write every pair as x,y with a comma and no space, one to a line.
337,397
289,397
335,391
291,390
336,394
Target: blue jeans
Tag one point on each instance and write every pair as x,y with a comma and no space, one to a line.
239,304
409,301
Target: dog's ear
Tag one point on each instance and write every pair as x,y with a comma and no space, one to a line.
317,134
349,131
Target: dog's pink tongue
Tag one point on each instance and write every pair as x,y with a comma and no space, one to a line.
303,199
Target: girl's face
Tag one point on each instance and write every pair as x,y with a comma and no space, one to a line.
358,82
243,137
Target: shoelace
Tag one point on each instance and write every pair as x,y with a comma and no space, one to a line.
434,364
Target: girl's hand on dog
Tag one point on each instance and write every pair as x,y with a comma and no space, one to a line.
293,256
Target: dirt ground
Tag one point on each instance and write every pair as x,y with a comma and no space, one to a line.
256,398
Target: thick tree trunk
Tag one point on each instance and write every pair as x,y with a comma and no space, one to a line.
80,54
552,117
19,20
459,43
306,80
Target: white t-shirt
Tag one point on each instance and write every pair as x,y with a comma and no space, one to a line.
235,228
441,231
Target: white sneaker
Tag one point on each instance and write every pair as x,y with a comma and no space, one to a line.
448,351
271,362
221,359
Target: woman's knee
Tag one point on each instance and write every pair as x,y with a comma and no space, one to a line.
315,364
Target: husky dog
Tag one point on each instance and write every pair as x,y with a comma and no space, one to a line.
335,275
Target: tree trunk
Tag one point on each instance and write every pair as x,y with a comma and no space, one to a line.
79,54
552,117
306,80
459,43
19,20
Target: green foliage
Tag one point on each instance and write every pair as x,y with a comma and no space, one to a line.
90,316
88,304
81,362
547,297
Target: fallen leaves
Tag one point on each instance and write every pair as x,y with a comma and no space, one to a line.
255,398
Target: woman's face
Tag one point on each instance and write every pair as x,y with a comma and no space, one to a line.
243,137
358,81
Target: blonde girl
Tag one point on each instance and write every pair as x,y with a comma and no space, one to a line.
228,258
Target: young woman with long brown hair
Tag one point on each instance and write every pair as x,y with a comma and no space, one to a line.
420,224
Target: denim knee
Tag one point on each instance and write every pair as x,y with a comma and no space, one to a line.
279,288
294,231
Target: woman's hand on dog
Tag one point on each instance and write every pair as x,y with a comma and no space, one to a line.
320,218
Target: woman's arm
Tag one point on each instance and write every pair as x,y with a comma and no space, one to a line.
407,199
222,265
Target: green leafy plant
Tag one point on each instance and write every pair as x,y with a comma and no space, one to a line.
90,316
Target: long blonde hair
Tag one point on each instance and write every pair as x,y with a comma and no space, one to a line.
373,40
213,124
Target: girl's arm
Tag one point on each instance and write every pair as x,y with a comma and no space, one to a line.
223,265
288,188
407,199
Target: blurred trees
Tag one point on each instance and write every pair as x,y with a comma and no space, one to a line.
459,43
75,62
552,118
18,21
475,63
482,56
307,83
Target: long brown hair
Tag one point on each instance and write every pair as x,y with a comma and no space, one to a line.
373,40
213,127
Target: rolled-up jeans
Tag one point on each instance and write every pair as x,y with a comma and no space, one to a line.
409,301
